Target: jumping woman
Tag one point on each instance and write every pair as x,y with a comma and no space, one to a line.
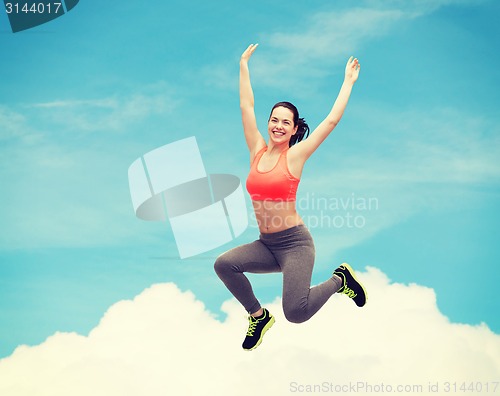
285,244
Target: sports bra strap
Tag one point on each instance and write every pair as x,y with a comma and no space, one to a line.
259,154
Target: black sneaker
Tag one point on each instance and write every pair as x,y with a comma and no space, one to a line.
350,285
256,330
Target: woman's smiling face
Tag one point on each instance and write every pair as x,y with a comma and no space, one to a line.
280,125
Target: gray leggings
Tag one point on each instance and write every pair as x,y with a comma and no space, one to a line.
291,252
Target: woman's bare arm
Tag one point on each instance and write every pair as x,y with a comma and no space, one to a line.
306,147
253,137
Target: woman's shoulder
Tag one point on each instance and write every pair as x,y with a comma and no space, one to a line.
295,160
258,150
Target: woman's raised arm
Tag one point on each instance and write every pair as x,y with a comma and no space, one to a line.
254,139
309,145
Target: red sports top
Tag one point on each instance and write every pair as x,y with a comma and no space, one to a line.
278,184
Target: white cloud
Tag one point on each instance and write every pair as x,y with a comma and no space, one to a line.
418,7
164,342
106,103
112,113
329,34
11,122
14,127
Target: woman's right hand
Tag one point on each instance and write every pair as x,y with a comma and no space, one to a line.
245,57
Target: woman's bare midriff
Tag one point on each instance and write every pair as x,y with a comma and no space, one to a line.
274,216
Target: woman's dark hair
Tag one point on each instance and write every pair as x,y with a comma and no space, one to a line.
302,127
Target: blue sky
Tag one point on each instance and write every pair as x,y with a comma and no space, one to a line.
85,95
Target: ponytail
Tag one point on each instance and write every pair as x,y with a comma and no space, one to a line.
302,132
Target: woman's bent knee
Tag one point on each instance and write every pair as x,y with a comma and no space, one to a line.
223,264
295,315
219,265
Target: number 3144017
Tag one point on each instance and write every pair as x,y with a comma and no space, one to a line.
35,8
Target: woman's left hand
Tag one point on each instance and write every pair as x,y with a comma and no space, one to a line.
352,70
